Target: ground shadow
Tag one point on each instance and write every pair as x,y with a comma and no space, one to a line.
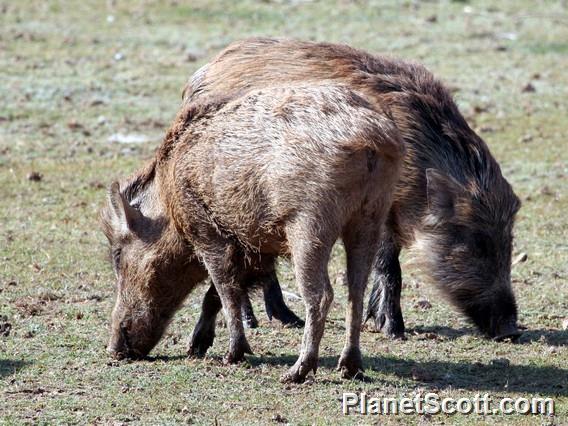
447,332
166,358
542,380
289,360
10,366
548,336
532,379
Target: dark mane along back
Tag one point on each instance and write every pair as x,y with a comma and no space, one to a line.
438,136
427,115
436,133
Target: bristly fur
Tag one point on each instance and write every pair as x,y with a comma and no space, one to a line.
435,132
141,179
436,137
238,181
189,113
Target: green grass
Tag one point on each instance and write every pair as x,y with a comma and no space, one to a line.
63,93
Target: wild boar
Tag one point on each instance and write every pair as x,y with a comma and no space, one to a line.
283,171
452,205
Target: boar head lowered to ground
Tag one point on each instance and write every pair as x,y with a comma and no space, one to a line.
154,269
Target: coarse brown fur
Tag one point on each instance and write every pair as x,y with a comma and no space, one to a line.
452,198
238,182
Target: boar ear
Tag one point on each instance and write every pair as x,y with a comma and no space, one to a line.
442,192
124,214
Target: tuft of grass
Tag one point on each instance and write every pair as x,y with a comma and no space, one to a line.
74,73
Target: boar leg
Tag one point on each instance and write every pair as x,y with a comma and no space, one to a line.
247,312
265,276
310,267
360,238
224,261
274,302
384,302
204,332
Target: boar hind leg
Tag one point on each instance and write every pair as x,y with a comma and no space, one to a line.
384,302
204,332
310,257
360,238
247,312
274,302
225,264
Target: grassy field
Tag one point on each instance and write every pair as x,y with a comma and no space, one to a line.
75,73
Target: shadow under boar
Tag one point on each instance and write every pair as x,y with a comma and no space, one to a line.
237,183
452,205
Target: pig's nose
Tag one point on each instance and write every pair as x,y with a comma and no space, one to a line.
116,348
507,330
115,352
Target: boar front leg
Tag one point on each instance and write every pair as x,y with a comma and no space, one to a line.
360,238
225,265
384,302
204,332
310,257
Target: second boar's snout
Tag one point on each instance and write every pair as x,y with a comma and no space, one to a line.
507,330
115,353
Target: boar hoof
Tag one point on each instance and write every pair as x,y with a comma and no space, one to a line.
290,320
200,343
231,358
237,352
351,364
199,349
299,371
250,321
392,327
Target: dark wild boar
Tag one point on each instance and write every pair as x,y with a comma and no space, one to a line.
237,183
452,203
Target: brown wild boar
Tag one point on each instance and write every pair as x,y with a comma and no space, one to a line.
235,184
452,204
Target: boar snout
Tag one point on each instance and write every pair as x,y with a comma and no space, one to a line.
499,328
131,341
119,347
496,317
507,330
117,350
